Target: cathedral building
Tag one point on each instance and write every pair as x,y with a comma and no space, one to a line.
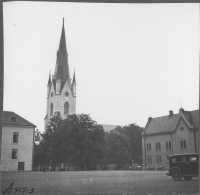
61,90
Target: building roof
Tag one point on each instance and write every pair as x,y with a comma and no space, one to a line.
169,122
108,128
195,118
11,118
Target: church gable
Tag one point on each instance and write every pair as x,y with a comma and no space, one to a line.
182,129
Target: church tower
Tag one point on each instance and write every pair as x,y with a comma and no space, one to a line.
61,92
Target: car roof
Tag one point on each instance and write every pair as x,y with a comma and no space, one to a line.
186,154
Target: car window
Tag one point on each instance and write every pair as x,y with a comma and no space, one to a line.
184,159
193,158
174,160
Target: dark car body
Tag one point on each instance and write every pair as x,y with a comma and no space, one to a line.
183,165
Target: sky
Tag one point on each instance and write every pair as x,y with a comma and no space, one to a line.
132,61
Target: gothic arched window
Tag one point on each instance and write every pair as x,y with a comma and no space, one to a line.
66,108
51,109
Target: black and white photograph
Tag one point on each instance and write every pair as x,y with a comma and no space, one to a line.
100,98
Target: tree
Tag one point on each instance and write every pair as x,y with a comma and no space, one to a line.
134,134
76,140
51,144
118,150
39,151
82,141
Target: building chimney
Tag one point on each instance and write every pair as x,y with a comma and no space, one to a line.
149,119
171,113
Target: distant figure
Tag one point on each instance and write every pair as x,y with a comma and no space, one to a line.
44,169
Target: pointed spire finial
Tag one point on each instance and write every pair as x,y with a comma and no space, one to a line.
49,82
74,78
63,20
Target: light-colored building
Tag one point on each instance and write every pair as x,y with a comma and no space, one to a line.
167,135
61,90
17,143
108,128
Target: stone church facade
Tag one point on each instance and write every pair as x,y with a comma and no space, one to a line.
167,135
61,90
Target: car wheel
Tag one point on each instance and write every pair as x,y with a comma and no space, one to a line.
176,175
187,178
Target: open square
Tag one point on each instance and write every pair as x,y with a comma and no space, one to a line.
96,182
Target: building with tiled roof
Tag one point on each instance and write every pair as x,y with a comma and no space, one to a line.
11,118
167,135
17,143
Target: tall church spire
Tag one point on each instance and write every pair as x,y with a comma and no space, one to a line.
61,93
62,45
62,66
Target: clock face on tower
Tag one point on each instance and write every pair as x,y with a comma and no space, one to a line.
66,93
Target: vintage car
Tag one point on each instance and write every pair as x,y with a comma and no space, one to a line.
183,165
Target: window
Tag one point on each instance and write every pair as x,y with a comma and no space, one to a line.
148,146
168,145
193,159
66,93
66,108
174,160
149,159
14,153
184,159
15,137
158,146
51,109
183,143
159,158
13,119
